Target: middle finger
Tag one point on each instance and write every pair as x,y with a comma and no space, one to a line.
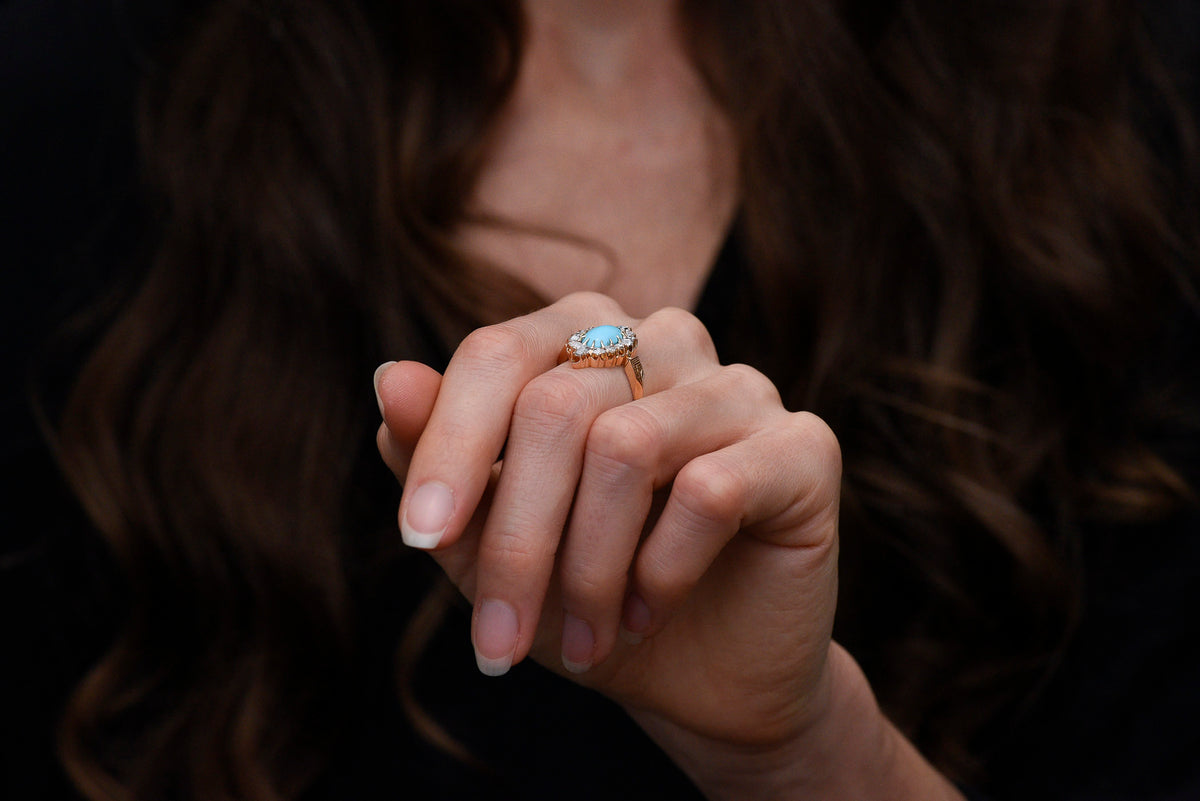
543,459
453,458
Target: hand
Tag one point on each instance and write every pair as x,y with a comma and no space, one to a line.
677,553
731,589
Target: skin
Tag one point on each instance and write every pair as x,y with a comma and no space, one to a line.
609,138
677,553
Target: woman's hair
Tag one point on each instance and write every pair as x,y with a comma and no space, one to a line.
951,213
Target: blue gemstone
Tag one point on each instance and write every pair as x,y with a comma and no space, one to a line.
602,336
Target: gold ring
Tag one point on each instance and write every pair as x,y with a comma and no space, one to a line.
607,346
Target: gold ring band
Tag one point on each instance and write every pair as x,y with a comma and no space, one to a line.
607,346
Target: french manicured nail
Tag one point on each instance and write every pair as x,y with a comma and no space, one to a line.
578,644
379,371
495,637
635,620
426,515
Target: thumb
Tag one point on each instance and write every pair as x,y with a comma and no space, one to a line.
406,392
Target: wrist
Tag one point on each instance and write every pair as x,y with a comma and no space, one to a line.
846,749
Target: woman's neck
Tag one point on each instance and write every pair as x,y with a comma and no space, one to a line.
609,138
602,44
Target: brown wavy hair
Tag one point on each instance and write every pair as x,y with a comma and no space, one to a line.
951,211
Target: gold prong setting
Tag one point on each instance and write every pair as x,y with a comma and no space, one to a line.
601,346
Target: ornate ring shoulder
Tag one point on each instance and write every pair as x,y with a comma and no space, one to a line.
607,346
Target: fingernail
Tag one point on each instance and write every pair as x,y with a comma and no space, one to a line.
578,644
426,515
635,620
495,637
379,371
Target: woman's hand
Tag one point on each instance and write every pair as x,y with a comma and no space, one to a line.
677,553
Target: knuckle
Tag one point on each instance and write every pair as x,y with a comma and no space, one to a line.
685,329
453,436
594,303
629,436
587,587
659,577
509,556
711,489
552,399
750,382
818,439
504,343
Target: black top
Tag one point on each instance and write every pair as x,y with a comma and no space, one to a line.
1119,722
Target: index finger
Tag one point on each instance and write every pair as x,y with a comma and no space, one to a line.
466,432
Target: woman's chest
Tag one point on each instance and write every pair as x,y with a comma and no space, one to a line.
579,197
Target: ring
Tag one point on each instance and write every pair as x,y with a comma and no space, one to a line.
607,346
